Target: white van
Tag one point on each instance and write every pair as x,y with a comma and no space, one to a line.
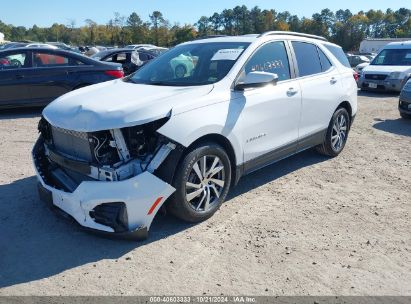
390,70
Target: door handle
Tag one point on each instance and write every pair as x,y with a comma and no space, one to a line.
19,76
333,80
291,92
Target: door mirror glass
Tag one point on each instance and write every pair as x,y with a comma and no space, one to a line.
256,80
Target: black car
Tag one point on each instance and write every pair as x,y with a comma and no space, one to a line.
405,101
36,76
131,60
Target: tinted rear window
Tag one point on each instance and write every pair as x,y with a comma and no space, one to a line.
339,54
308,60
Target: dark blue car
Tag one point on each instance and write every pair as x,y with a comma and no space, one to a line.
37,76
405,101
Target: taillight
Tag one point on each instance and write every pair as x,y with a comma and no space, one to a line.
356,76
115,73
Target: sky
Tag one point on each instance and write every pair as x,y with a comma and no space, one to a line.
46,12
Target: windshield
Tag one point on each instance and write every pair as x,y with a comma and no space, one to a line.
191,64
393,57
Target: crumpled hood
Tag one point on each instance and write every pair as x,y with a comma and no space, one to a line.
117,104
386,69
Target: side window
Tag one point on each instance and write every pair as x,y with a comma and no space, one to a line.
143,56
121,58
308,61
48,60
325,62
339,54
272,58
109,59
117,58
13,61
76,62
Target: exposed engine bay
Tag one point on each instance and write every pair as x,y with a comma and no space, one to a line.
66,158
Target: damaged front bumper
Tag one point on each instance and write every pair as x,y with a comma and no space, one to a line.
123,208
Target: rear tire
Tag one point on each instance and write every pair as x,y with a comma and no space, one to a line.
202,182
337,134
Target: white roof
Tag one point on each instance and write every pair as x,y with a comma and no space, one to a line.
250,38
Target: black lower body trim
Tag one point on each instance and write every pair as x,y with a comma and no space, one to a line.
281,153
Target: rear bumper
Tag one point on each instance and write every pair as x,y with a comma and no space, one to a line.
123,209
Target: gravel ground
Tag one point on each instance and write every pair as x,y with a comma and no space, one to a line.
307,225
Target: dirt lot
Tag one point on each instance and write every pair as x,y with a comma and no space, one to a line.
308,225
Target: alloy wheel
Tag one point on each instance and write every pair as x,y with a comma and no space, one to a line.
339,132
205,183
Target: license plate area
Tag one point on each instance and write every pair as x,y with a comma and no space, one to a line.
372,85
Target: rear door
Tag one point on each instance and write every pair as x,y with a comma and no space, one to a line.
321,87
14,87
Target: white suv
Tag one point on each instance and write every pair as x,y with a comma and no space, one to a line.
110,155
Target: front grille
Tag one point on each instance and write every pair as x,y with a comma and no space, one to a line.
72,143
375,76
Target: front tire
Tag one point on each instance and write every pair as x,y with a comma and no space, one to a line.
337,134
202,182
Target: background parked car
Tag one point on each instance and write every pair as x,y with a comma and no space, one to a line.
156,50
45,74
390,70
361,66
137,46
130,59
357,59
405,101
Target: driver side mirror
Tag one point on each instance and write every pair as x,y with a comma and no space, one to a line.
256,80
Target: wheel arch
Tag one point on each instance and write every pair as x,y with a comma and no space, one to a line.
346,105
224,142
168,170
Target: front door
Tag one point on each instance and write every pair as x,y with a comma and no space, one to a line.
271,114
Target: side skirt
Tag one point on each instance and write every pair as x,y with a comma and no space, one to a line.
280,154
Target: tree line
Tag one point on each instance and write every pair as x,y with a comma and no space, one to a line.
342,27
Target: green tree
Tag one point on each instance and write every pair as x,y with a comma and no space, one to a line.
203,25
157,21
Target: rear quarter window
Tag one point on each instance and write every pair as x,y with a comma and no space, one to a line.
339,54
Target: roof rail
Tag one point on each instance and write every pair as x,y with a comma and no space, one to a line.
210,36
292,34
